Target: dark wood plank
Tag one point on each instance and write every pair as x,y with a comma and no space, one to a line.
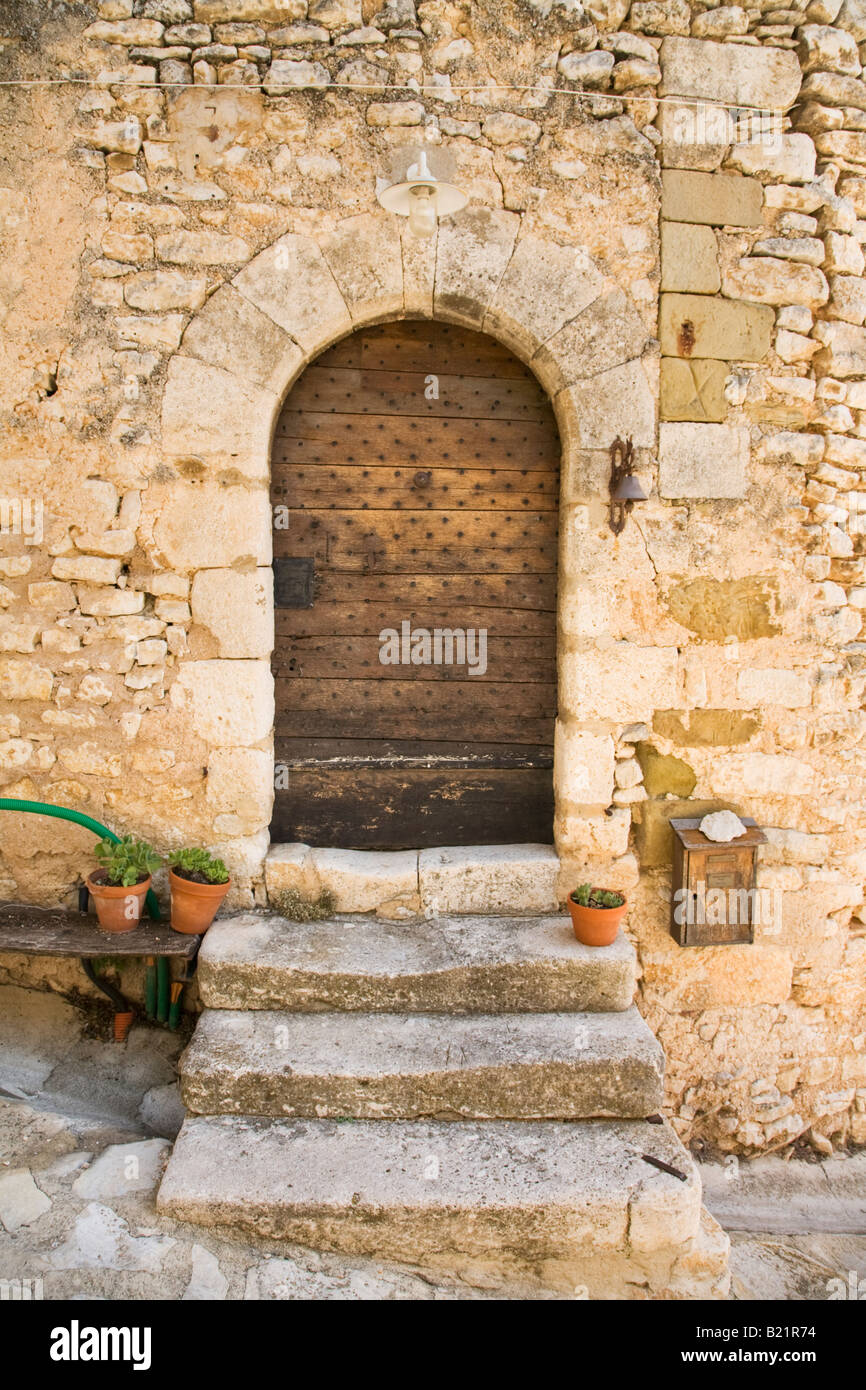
322,485
350,437
434,542
382,809
405,393
296,753
419,345
530,594
45,932
359,658
335,620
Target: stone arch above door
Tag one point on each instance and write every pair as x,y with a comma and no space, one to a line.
550,304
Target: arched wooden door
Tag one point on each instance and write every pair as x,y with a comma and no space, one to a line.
415,491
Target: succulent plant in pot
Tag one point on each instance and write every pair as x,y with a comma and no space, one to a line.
596,914
119,886
199,883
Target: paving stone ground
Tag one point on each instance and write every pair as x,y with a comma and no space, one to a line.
86,1127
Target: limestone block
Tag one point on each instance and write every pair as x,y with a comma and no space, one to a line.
592,70
473,249
806,450
156,290
231,333
364,257
692,389
292,283
151,331
620,401
720,200
91,569
364,880
240,782
702,460
584,766
844,352
109,603
126,31
495,878
52,596
215,416
502,128
847,145
824,49
543,287
807,249
17,635
774,686
843,254
111,544
847,298
237,608
395,113
732,74
690,261
770,280
203,525
230,703
606,334
622,682
785,159
248,11
693,325
760,774
202,248
660,17
90,760
717,24
595,836
291,868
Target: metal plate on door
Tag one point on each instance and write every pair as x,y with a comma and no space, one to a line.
294,582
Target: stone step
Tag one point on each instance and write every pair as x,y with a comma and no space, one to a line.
406,1066
444,965
573,1205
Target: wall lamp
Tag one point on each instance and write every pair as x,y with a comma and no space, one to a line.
422,197
625,488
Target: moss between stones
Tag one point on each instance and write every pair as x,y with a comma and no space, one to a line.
663,773
706,728
718,608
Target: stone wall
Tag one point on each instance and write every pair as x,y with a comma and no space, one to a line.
188,215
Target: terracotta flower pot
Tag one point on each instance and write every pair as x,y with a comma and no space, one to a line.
596,926
194,905
118,909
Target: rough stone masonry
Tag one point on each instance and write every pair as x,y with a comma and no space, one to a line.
667,220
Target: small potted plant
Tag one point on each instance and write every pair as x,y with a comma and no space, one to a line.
199,882
120,886
596,914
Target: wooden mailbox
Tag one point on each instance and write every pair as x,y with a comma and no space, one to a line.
713,891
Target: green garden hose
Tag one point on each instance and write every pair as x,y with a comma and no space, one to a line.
43,808
163,988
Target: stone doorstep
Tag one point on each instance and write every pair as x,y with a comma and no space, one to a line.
415,1190
410,1066
454,965
406,883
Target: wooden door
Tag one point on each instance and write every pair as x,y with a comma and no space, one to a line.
415,489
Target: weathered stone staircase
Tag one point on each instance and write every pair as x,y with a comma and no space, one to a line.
467,1093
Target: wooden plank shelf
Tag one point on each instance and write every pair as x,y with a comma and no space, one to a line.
39,931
